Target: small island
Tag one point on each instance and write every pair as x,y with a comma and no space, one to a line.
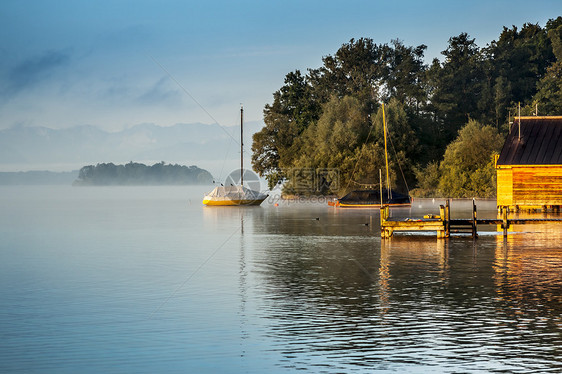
133,173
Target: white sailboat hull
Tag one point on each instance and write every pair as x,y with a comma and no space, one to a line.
233,196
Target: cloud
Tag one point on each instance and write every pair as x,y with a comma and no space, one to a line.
32,71
159,94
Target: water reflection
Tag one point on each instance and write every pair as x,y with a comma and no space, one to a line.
243,287
529,281
384,277
165,287
338,299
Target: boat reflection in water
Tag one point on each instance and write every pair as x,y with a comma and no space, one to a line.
170,287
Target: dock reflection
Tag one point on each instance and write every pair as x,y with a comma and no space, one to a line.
323,284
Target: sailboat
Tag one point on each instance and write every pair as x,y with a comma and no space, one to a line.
373,198
235,195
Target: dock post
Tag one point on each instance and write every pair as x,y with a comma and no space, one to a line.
385,231
447,219
505,223
474,220
383,215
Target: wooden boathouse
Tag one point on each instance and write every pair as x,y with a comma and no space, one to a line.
529,167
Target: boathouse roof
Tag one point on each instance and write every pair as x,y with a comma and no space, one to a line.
539,142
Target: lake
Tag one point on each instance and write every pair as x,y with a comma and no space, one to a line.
148,280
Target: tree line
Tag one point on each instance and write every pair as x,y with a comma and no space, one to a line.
135,173
445,119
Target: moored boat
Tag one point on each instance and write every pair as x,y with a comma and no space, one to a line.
235,195
372,199
369,198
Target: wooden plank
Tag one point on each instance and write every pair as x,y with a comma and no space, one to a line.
535,186
504,187
389,226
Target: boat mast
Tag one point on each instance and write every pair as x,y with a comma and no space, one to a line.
380,184
241,145
386,155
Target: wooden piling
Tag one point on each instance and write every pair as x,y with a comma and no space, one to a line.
505,223
447,218
474,220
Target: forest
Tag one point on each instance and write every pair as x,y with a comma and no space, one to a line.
445,120
135,173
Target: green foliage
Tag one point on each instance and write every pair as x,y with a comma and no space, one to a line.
554,32
428,180
457,83
549,94
405,74
139,174
336,139
332,118
517,61
467,169
292,111
355,70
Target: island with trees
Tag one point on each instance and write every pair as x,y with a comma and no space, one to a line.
133,173
446,119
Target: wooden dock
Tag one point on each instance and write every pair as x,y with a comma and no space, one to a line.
444,225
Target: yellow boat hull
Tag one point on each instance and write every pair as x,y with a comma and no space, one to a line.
344,205
231,202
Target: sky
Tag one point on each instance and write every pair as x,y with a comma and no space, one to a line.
114,64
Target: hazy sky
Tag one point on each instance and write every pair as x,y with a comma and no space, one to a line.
104,63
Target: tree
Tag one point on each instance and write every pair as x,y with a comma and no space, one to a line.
140,174
549,95
549,88
344,139
456,85
404,74
356,70
402,142
428,180
519,58
292,111
467,169
331,117
332,142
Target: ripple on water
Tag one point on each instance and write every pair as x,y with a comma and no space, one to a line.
134,280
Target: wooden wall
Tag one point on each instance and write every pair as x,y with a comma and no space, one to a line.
529,186
505,187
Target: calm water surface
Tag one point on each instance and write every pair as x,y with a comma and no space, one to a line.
147,280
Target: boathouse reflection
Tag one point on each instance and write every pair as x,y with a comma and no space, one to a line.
327,286
527,269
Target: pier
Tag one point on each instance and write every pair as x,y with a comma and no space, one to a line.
444,225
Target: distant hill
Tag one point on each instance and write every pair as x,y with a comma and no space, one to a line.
28,148
37,178
134,173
